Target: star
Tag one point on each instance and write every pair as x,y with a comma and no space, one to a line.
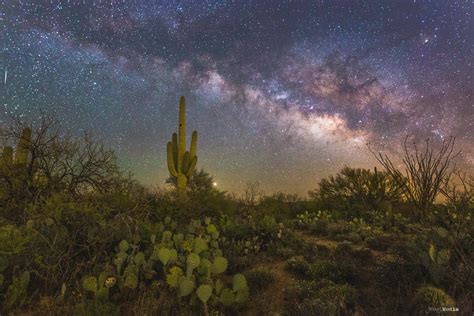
284,94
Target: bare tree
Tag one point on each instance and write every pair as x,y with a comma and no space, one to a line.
426,171
60,162
252,193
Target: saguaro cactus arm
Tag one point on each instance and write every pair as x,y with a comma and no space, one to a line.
174,140
171,164
193,149
181,132
192,166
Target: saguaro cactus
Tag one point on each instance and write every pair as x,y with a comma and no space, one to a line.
7,156
21,152
181,163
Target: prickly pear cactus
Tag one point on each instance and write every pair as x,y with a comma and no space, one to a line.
240,288
90,284
204,292
227,297
173,276
219,265
193,261
131,276
164,254
186,286
189,258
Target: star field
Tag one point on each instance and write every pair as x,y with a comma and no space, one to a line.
281,92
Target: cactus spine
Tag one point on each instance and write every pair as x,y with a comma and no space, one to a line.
181,163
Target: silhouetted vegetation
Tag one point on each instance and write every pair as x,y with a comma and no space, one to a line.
79,236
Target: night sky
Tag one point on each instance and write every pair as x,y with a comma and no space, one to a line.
281,92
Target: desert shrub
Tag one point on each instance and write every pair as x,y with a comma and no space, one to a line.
380,242
343,251
239,263
364,255
298,266
282,206
316,306
300,290
401,275
259,279
96,308
354,191
352,237
290,245
61,237
340,272
320,298
338,228
282,252
71,234
319,228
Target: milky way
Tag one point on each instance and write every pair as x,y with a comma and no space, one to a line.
281,92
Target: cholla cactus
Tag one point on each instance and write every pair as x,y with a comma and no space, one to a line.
182,163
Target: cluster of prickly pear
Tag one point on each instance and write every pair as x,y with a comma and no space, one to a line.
250,235
239,292
192,263
182,163
189,258
309,218
131,263
130,267
100,286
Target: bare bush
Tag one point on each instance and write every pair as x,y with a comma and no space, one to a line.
252,194
425,171
60,162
